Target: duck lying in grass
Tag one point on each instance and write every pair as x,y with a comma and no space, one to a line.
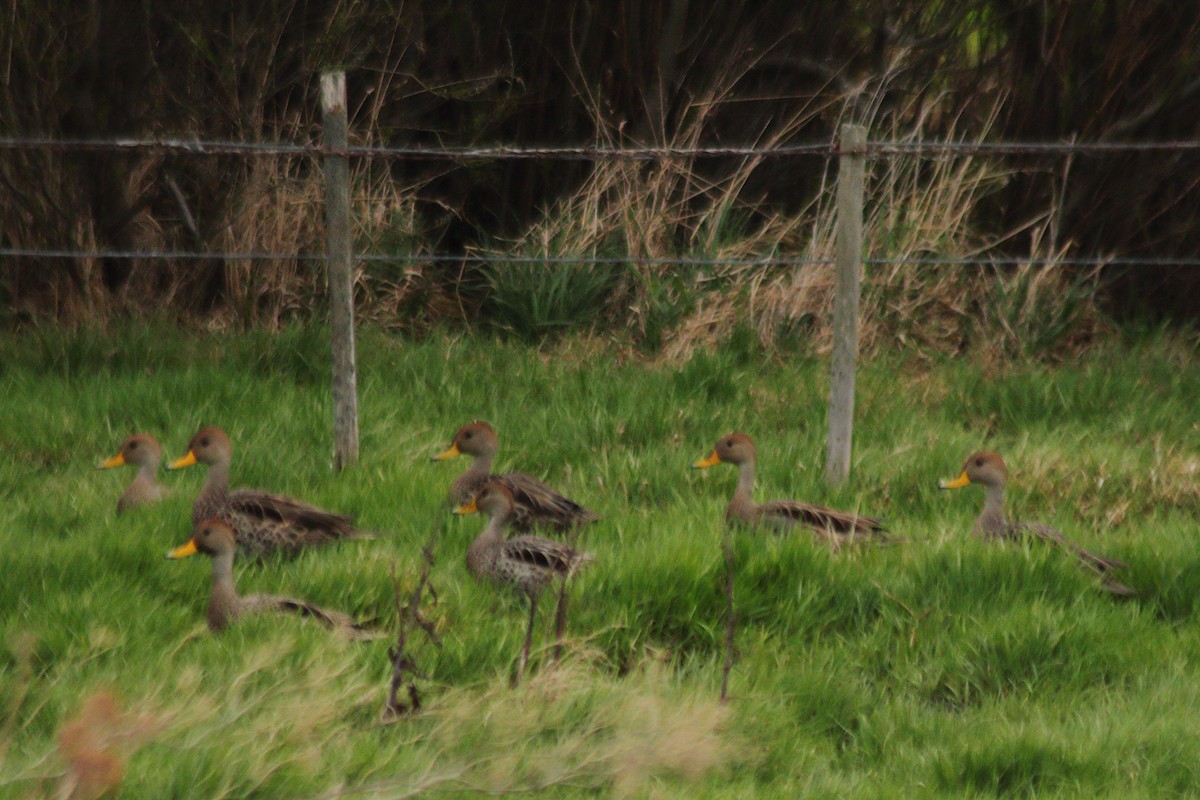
534,503
262,523
987,469
525,563
215,539
144,452
835,527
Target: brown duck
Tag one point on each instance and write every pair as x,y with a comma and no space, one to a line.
262,522
525,563
836,527
215,539
988,469
534,503
144,452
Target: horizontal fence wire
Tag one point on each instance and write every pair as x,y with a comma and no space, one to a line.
168,146
926,149
583,260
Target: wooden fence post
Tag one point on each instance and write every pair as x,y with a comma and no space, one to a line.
845,303
339,261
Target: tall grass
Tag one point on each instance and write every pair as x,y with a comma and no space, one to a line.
944,666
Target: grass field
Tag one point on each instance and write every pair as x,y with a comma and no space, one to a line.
941,667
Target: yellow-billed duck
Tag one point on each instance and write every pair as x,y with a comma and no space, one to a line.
534,503
215,539
836,527
144,452
526,563
262,522
987,469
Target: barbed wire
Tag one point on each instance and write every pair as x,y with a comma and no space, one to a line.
182,147
584,260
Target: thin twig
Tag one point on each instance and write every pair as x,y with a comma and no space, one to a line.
730,615
410,618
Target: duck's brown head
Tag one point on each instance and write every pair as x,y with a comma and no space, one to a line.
985,467
494,499
212,537
139,450
474,439
736,448
209,446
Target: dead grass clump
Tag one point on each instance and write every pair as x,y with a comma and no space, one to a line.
96,744
569,725
915,209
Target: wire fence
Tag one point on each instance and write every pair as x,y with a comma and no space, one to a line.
852,148
824,150
928,149
587,260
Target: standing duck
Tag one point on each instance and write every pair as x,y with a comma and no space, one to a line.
535,503
144,452
526,563
262,523
215,539
987,468
837,527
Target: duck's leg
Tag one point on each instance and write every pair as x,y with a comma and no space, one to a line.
533,601
560,619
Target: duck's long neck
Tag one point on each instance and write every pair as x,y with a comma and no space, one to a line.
993,507
218,478
223,601
482,465
742,503
147,473
491,536
745,486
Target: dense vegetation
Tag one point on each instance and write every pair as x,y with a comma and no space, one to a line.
677,71
944,666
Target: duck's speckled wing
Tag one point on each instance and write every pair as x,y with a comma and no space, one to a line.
544,554
1096,563
537,504
267,506
825,519
260,603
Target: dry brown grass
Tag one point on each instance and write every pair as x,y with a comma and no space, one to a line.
573,724
569,725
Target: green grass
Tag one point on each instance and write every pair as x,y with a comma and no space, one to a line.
941,667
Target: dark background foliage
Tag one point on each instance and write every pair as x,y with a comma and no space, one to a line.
621,72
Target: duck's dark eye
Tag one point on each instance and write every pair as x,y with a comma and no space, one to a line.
979,462
729,442
204,442
133,445
467,435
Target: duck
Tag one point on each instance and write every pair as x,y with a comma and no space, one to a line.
988,469
263,523
215,539
834,527
525,563
143,451
535,503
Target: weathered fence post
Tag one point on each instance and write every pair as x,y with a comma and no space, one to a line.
339,261
845,303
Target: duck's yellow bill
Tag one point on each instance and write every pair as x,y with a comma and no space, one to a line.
184,550
187,461
451,453
116,461
704,463
957,483
467,508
